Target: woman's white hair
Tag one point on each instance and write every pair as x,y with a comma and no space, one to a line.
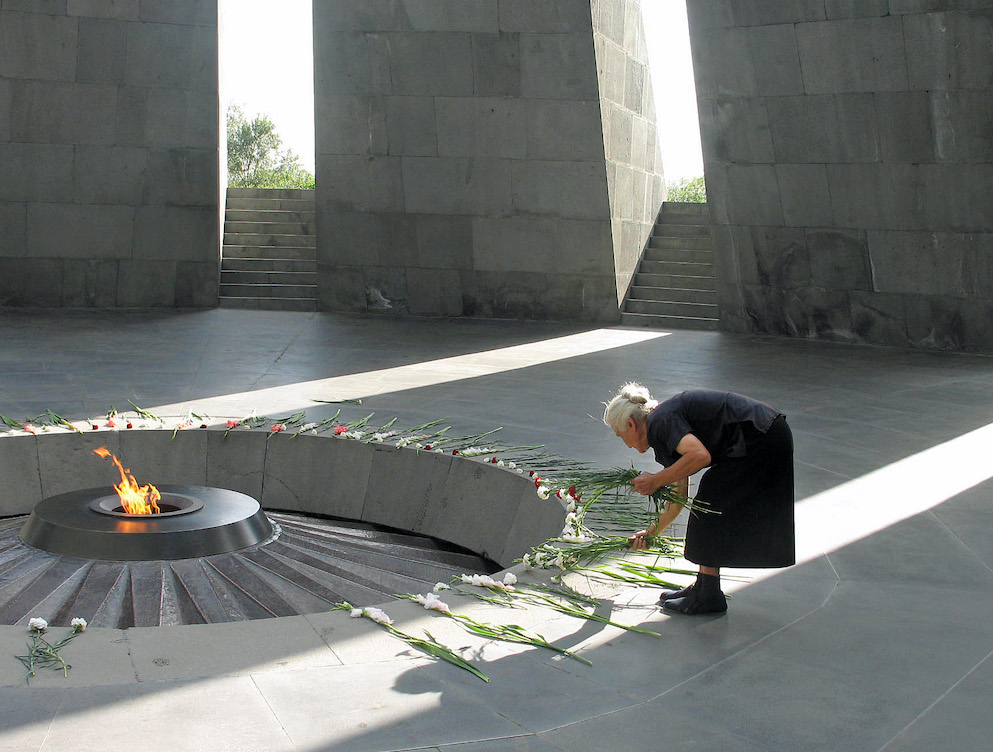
633,401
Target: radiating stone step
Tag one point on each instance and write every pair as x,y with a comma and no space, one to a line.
672,308
678,268
268,304
235,264
271,252
668,322
310,566
255,240
674,294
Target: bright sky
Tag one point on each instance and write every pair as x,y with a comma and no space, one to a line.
267,67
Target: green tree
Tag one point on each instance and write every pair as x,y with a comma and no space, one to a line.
256,158
689,190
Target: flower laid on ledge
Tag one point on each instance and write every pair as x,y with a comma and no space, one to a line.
43,654
427,644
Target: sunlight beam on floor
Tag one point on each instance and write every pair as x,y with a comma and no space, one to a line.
306,394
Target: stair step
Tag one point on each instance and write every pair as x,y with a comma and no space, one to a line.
271,215
672,294
275,229
293,193
267,291
258,239
679,268
668,322
642,279
232,264
678,210
267,277
679,242
679,256
269,304
682,230
269,252
270,204
669,308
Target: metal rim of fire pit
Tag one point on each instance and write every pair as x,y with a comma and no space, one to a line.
169,506
207,521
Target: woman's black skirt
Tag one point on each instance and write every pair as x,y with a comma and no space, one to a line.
754,495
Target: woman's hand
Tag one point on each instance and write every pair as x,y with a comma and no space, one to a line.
639,541
646,483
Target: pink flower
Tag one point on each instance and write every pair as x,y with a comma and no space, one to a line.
231,423
30,428
339,430
277,427
129,425
111,423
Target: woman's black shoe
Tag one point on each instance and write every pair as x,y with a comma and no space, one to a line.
705,597
670,594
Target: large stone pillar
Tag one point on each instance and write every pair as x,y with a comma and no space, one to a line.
482,157
848,160
108,153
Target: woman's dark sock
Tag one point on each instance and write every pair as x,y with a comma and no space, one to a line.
670,594
705,597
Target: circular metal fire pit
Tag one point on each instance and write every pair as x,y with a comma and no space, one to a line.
195,521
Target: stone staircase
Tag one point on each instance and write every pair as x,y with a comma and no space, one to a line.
674,286
269,255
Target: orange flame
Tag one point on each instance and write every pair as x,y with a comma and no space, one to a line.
135,499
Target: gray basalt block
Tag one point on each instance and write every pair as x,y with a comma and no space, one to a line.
752,195
404,486
80,231
910,127
876,196
176,233
361,183
36,45
411,126
197,283
721,64
865,54
824,128
549,16
496,64
351,63
181,177
775,59
950,50
13,230
920,262
445,242
957,197
193,12
481,127
839,259
102,51
171,56
110,175
431,64
776,257
21,488
434,292
66,461
558,66
458,185
353,124
536,521
856,8
476,507
962,122
146,284
160,457
171,118
125,10
803,189
31,282
452,15
879,318
44,172
540,243
89,283
574,190
317,474
236,461
737,130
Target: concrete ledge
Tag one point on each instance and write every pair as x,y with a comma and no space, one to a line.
477,505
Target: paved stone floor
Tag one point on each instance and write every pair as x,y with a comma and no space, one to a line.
880,638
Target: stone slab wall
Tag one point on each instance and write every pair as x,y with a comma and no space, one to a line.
635,181
108,153
461,165
474,504
848,160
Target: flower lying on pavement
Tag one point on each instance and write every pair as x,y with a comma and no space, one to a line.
38,624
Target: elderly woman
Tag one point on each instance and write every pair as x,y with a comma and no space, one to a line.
748,450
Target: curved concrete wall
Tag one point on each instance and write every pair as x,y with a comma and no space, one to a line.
480,506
